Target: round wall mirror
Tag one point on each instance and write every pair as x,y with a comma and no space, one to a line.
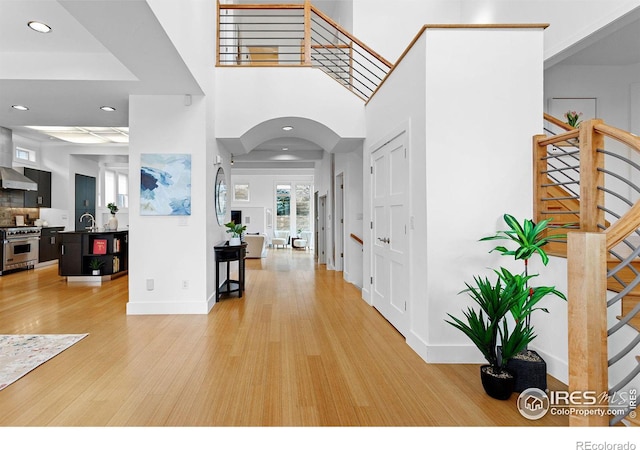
221,196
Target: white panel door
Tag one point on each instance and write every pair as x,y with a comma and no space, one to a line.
389,232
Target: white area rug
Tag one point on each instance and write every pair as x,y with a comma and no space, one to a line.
21,353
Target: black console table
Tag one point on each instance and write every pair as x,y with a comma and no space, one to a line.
228,253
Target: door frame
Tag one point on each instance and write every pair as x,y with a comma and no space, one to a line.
321,230
339,222
378,145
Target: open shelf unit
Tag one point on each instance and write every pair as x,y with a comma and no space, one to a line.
80,248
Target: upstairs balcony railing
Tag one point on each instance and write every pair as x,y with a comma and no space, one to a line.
297,35
587,180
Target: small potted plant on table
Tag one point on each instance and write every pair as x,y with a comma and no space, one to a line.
236,231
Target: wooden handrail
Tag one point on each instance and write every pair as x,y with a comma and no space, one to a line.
348,60
350,36
261,6
357,239
573,134
558,122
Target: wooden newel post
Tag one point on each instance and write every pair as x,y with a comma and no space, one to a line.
587,314
307,33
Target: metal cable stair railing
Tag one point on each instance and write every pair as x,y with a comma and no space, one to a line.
586,177
297,35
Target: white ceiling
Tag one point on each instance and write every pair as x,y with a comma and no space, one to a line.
96,55
99,54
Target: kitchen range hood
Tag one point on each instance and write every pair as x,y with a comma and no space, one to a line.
9,177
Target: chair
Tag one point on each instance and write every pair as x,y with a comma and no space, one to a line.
256,245
281,238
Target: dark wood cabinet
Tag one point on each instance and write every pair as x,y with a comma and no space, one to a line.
70,263
49,248
78,249
42,197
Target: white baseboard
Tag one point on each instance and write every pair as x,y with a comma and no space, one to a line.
168,307
444,354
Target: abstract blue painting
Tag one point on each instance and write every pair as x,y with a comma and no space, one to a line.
165,184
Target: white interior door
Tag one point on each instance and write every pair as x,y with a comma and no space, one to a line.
389,232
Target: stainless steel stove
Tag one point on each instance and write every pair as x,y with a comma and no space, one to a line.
19,247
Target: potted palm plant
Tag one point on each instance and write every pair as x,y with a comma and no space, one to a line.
236,231
528,239
487,328
95,265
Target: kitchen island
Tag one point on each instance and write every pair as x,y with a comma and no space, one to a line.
93,256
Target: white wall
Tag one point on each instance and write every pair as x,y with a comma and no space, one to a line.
169,250
350,166
323,173
569,20
388,27
492,171
250,96
475,172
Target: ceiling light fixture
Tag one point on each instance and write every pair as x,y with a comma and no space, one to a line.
287,128
39,26
107,108
231,159
285,149
20,107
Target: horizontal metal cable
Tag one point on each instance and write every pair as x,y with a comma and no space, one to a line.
621,158
615,194
368,56
621,178
569,197
625,351
626,380
625,320
625,262
563,183
358,72
564,153
562,169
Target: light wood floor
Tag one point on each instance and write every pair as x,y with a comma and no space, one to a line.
300,349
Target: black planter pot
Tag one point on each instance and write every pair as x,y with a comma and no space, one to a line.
497,385
529,370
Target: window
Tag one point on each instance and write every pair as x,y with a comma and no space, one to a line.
123,190
25,155
116,188
303,207
283,207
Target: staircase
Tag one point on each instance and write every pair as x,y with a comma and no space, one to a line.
297,35
582,179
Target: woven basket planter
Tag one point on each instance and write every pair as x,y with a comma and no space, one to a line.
529,369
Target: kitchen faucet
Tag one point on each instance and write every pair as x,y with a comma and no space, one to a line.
93,221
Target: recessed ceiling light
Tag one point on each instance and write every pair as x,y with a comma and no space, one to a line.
39,26
107,108
287,128
285,148
20,107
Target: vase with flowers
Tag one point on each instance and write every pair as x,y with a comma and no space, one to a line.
573,118
112,224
